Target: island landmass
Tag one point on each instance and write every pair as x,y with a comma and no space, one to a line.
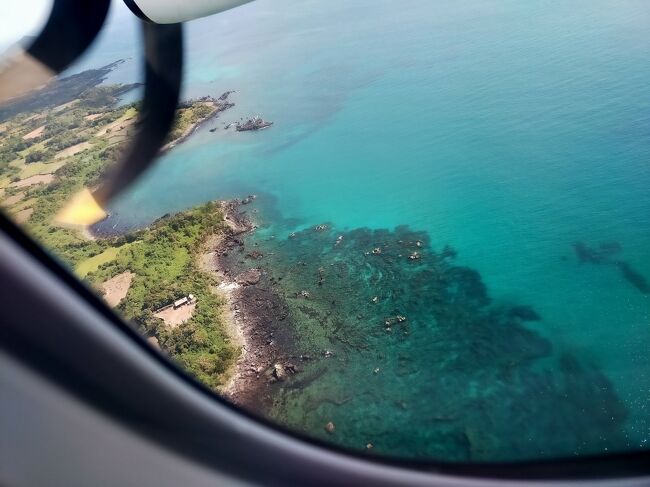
63,137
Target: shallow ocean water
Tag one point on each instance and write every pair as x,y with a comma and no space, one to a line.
506,130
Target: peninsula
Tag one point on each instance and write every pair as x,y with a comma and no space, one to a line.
63,138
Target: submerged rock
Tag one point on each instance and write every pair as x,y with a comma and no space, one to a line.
633,277
249,277
249,199
598,255
254,255
603,254
472,374
224,96
525,313
279,372
255,123
329,427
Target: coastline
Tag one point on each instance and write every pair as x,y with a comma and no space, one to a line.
215,244
219,105
255,314
253,311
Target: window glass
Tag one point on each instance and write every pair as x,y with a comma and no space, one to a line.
413,229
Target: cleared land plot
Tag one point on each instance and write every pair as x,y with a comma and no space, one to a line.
34,133
40,168
22,204
174,317
115,288
12,200
30,181
23,215
121,123
72,150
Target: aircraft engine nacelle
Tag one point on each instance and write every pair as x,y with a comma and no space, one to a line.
173,11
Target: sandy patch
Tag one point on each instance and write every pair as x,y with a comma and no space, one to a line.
72,150
30,181
174,317
93,116
34,133
23,215
115,288
12,200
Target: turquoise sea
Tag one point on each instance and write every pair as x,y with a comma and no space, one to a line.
518,133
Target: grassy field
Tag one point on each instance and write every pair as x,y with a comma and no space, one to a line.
35,168
91,264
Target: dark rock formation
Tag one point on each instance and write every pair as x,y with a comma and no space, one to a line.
255,123
249,277
524,313
603,254
633,277
596,255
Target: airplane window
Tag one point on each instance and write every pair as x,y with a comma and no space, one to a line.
416,229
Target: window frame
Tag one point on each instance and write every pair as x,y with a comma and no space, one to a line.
61,330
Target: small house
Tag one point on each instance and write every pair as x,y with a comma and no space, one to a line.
181,302
189,299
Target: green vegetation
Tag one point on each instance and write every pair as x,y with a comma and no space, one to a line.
39,168
187,117
91,264
165,268
162,257
34,156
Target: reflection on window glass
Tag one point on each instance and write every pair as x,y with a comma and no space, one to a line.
417,229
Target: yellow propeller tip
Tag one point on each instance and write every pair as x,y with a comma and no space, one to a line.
81,210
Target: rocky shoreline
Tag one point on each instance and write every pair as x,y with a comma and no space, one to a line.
257,313
220,104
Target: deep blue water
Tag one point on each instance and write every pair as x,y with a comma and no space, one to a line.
508,130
